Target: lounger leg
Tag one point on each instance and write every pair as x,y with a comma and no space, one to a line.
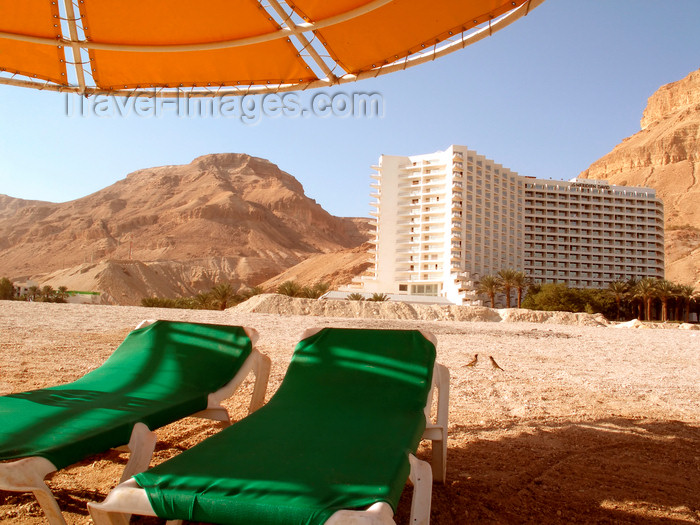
437,432
49,505
142,444
262,375
27,475
422,478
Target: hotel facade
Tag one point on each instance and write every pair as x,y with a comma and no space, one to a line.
445,219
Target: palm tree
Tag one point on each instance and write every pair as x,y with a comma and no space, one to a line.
635,299
355,297
250,292
520,282
489,285
379,297
290,288
315,291
47,293
665,290
204,300
222,294
618,290
32,292
506,280
686,292
645,290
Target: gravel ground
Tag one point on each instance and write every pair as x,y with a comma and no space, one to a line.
583,424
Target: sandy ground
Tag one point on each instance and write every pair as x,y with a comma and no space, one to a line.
583,425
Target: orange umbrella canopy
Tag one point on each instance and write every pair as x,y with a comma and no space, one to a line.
216,47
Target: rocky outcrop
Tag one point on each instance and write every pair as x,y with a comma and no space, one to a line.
228,217
665,155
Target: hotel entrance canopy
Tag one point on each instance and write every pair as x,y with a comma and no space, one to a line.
225,47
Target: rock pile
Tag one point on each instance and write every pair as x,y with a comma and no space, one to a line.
284,305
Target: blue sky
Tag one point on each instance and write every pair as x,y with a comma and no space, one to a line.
546,97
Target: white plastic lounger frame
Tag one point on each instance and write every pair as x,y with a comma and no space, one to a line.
28,474
129,498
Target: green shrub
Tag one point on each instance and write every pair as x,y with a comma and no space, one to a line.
7,289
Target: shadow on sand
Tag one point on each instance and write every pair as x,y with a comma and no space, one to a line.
605,471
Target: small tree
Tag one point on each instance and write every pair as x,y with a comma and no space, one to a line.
7,289
379,297
355,297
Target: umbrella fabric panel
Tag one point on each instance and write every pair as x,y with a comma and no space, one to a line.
397,29
179,22
37,18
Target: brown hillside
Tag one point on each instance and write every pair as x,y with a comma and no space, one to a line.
336,269
221,217
665,155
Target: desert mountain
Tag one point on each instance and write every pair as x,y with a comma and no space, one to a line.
665,155
173,230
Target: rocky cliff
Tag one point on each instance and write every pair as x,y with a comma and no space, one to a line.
173,230
665,155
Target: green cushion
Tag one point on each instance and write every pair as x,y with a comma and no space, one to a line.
159,374
335,435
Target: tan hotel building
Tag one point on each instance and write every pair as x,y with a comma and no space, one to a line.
447,218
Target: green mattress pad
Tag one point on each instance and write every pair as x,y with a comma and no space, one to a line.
160,373
335,435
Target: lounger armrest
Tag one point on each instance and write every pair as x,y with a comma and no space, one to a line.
125,499
145,322
28,475
141,446
257,363
381,513
378,514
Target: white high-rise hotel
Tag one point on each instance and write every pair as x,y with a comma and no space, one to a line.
447,218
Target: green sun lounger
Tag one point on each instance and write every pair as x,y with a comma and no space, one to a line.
334,445
162,372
